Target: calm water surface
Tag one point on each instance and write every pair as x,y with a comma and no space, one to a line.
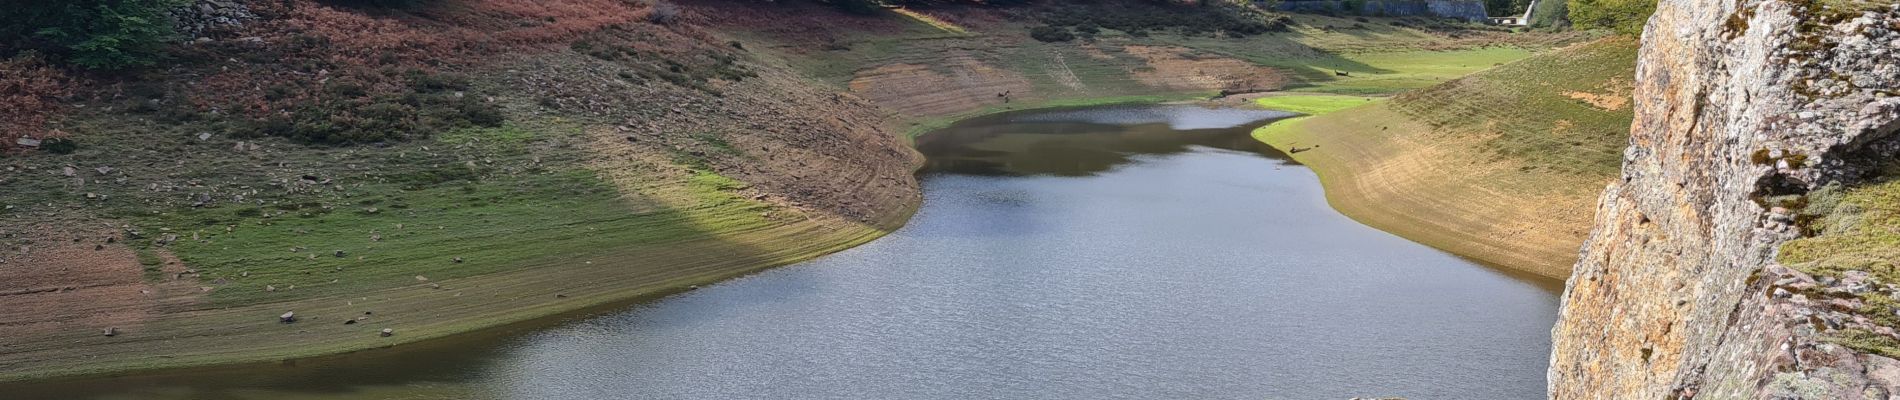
1150,252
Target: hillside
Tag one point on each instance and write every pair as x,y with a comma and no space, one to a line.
1501,166
422,170
443,167
927,67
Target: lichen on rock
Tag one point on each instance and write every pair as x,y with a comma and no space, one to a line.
1742,109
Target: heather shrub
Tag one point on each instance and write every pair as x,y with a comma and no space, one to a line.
1623,16
1048,33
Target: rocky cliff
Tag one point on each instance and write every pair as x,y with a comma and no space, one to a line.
1742,109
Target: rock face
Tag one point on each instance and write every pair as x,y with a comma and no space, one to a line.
1740,105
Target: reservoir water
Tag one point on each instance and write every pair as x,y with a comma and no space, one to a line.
1135,252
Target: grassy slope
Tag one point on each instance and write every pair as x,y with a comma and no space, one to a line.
538,230
1381,58
557,211
1502,166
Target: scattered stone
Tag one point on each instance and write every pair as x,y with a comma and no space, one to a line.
340,254
110,332
203,136
420,278
27,142
288,317
270,288
388,332
458,260
349,321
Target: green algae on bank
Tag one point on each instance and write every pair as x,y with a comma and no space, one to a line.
1311,104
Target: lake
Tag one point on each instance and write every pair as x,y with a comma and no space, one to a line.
1125,252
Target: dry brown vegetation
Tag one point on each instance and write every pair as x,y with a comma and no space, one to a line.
31,93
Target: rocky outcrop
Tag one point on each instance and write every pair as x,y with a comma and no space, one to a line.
1741,109
203,16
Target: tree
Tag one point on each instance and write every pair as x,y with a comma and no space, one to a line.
95,34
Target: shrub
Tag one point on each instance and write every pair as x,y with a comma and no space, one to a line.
94,34
422,104
664,14
1048,33
1088,29
59,146
30,93
1623,16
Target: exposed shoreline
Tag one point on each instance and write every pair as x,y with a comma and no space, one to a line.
796,241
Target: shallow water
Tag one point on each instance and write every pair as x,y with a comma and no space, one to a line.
1107,253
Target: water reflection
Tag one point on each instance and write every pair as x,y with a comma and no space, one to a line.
1081,142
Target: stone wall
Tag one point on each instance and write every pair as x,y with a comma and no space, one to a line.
1677,295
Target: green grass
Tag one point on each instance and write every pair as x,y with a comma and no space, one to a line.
1855,229
1312,104
1528,106
391,234
495,197
1385,72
